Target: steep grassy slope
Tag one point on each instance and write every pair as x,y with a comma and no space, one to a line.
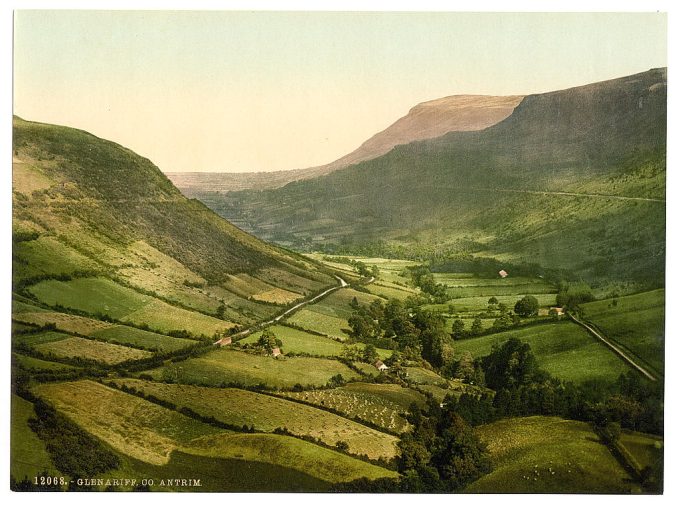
573,179
86,207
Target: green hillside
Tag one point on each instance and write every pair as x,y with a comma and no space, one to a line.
573,180
100,230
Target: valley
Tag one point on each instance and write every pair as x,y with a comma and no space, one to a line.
429,314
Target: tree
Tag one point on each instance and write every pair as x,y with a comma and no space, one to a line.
268,341
493,300
369,355
458,329
476,328
527,306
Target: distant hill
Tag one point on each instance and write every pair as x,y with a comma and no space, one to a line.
458,113
84,207
572,179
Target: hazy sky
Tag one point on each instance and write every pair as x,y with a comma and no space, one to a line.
239,91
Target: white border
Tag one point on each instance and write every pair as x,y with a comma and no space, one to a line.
673,272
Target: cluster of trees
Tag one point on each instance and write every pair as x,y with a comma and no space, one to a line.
268,341
424,279
353,353
360,267
522,388
570,295
400,326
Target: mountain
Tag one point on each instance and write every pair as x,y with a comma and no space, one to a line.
458,113
573,179
88,209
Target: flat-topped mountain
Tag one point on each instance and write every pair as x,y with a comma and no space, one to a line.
572,170
458,113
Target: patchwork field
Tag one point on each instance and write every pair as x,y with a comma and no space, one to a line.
330,326
37,365
78,347
634,321
301,456
131,425
548,455
266,413
298,341
102,296
227,366
564,349
480,304
422,376
382,405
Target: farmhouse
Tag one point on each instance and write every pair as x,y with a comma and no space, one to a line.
380,365
503,273
224,341
559,311
276,352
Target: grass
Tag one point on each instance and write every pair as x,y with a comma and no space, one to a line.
645,449
78,347
564,350
266,413
298,341
39,338
422,376
301,456
548,455
63,321
337,304
124,335
28,455
324,324
481,303
35,364
131,425
227,366
99,295
636,322
381,405
47,256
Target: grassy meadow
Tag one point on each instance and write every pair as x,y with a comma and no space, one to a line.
266,413
563,349
228,366
539,455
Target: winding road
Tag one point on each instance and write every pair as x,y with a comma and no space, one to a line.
258,326
613,347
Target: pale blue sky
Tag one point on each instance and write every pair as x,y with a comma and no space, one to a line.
239,91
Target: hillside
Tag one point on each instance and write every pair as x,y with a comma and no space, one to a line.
458,113
92,218
572,179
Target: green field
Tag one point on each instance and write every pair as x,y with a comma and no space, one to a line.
78,347
389,290
28,455
634,321
227,366
646,449
121,334
99,295
331,326
35,364
380,404
422,376
565,350
480,304
39,338
266,413
298,341
548,455
131,425
337,304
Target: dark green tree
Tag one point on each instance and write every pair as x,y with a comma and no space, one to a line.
527,306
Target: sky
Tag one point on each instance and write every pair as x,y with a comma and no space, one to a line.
261,91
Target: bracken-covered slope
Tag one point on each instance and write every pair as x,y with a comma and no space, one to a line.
572,179
88,208
428,120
